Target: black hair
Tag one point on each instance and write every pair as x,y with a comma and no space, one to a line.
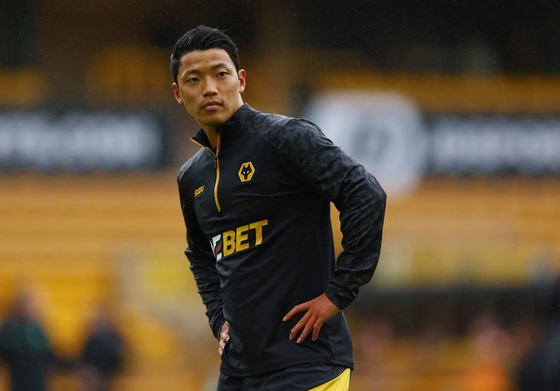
202,38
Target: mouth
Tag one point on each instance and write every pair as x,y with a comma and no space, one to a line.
212,105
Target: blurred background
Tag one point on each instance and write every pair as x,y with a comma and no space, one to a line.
454,106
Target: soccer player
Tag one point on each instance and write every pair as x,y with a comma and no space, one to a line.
256,204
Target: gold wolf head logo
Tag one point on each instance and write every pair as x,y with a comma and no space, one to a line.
246,172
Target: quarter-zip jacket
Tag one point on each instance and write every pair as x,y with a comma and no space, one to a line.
216,163
257,212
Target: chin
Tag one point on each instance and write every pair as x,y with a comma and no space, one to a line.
211,124
216,120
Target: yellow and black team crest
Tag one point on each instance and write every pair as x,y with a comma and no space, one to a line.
246,172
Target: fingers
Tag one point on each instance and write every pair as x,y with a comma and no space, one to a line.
222,346
317,312
224,337
316,328
296,310
308,327
224,332
307,323
301,325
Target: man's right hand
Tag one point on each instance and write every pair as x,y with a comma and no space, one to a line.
224,337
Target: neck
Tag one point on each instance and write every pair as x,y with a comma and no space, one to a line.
211,131
212,136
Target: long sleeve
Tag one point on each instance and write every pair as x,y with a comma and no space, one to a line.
203,267
356,194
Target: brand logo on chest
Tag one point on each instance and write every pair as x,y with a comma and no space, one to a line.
198,191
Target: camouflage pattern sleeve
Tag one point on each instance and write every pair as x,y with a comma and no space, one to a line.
356,194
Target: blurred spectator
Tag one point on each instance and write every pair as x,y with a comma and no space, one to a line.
374,339
103,355
493,347
373,344
540,369
25,347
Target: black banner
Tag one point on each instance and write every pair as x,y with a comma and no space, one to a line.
494,145
81,141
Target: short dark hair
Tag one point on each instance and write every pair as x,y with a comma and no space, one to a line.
202,38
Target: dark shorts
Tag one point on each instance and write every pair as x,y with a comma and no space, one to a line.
298,378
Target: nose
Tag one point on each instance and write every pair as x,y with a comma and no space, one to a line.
210,87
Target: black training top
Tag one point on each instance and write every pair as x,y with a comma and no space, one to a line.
257,212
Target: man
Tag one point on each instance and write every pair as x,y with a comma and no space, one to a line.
256,203
25,346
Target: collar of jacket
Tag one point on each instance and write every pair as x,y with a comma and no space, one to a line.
229,129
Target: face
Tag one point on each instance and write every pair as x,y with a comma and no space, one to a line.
209,87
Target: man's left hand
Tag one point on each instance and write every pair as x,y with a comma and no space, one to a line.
319,310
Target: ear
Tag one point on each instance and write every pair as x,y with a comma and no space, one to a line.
242,80
178,96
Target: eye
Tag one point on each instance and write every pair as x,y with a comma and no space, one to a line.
192,80
222,74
